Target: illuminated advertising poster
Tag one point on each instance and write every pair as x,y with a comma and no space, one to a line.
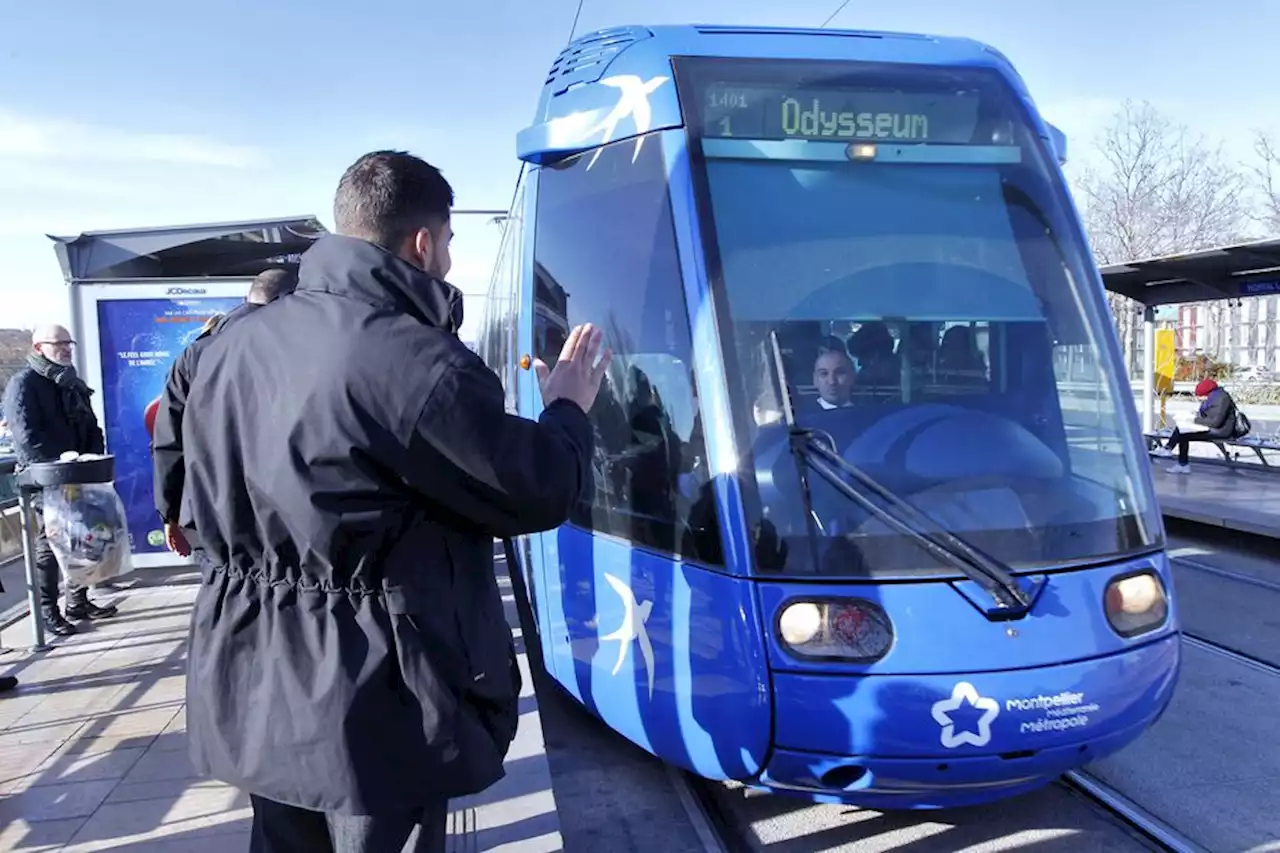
138,340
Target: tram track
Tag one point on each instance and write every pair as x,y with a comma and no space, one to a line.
1130,813
720,831
717,829
1208,568
1231,653
1198,636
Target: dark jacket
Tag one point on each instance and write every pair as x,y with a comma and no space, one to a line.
1218,413
349,462
166,441
47,420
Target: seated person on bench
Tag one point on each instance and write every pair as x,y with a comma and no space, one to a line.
1218,413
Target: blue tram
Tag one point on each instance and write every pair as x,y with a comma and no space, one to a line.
869,521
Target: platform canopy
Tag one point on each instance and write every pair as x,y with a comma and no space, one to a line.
1231,272
219,250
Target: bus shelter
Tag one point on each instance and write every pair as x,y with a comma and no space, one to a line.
137,298
1229,272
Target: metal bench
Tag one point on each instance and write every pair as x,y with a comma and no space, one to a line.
1254,441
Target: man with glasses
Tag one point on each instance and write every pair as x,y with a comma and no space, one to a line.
47,407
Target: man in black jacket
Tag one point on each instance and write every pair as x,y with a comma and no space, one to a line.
49,413
166,438
349,462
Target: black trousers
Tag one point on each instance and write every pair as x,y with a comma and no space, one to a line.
50,575
1183,441
278,828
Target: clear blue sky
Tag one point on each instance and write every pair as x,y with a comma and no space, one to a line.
143,112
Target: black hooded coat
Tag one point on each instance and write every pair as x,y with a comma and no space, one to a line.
348,464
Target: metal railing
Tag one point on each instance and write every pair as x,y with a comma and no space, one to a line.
8,486
8,504
9,500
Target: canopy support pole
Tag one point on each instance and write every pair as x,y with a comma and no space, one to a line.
1148,369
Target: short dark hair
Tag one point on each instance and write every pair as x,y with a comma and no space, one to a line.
387,195
830,343
270,284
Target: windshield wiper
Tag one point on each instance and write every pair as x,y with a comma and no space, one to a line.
1012,601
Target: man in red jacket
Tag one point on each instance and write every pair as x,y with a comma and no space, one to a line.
1220,417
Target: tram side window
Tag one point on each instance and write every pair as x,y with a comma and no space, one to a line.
503,302
605,253
493,340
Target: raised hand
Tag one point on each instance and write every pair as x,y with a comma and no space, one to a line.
577,374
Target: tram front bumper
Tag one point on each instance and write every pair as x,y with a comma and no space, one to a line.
920,783
931,741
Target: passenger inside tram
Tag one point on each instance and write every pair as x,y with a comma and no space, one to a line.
922,351
878,365
871,371
959,359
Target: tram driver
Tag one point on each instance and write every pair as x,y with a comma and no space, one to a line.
833,375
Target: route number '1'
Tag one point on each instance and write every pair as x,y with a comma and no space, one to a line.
726,126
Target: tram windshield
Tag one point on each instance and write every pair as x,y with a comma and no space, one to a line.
895,243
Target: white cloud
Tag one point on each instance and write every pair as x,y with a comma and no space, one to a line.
48,178
42,138
62,177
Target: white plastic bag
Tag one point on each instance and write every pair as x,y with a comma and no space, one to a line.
88,532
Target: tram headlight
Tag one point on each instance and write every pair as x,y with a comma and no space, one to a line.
1136,603
847,629
800,623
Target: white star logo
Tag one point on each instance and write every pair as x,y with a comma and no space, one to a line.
964,693
632,628
633,102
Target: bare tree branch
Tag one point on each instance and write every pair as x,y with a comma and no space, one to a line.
1266,174
1156,190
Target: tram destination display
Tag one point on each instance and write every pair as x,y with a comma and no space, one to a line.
838,115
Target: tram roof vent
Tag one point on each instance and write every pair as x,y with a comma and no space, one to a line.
585,60
711,30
